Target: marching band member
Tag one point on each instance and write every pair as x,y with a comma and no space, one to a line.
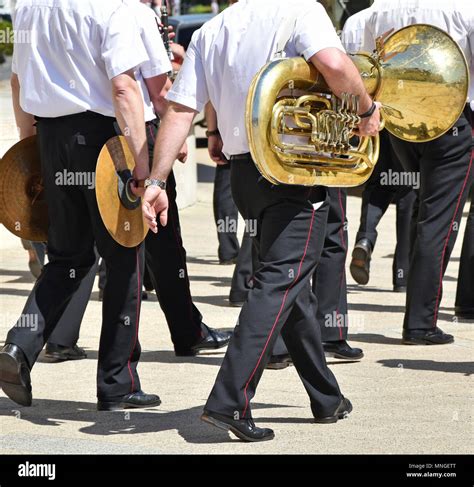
219,67
444,165
76,78
169,275
376,197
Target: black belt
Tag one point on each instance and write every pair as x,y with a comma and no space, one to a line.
242,157
87,115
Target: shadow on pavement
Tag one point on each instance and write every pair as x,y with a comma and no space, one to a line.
466,368
162,356
48,412
374,338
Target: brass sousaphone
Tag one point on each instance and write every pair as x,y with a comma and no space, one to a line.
300,133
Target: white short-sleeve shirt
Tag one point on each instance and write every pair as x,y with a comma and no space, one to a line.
67,51
227,52
454,16
158,61
352,35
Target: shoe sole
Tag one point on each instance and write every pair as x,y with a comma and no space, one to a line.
343,357
279,365
62,358
11,381
422,341
335,418
204,349
226,427
357,267
120,406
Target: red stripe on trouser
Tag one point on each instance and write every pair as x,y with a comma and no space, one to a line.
344,246
137,319
440,286
295,280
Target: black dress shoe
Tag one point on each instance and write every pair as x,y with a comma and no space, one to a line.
131,401
342,411
15,375
399,289
213,340
423,336
61,353
342,350
464,313
244,429
360,263
278,362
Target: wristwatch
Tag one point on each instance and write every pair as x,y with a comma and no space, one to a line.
155,182
210,133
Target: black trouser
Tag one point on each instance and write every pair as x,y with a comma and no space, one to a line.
226,217
73,144
465,289
67,330
166,263
329,280
243,271
376,199
290,239
226,214
445,167
165,260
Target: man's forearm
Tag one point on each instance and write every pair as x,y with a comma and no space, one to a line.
172,135
341,75
24,121
158,87
211,117
129,111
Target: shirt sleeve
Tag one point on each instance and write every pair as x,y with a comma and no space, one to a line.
314,31
190,87
122,48
158,61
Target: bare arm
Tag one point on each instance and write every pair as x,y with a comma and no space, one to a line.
342,76
129,111
24,121
158,87
173,132
214,142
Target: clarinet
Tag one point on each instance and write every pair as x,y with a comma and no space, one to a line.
166,24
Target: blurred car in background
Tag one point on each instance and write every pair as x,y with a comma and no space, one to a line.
186,25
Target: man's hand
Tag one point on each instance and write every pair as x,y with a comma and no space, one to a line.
214,146
370,126
155,205
183,153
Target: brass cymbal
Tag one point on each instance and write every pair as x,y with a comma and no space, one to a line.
23,208
120,210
